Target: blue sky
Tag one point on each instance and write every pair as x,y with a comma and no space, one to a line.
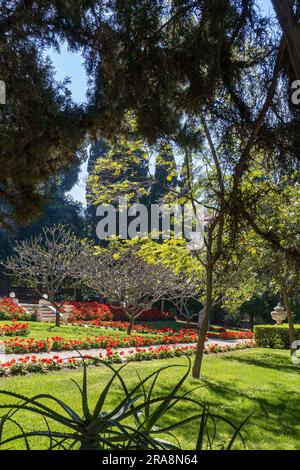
68,64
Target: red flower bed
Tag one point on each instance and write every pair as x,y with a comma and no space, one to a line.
98,342
24,346
16,329
217,333
33,364
234,335
181,337
87,311
11,311
57,343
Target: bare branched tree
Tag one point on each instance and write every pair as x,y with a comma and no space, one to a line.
124,278
185,289
45,262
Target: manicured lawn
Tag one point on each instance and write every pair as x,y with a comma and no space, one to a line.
48,330
236,384
159,324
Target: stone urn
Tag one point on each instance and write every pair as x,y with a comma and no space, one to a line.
13,298
279,314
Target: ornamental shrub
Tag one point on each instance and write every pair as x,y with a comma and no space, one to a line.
275,337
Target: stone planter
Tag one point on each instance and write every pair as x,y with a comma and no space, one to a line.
279,314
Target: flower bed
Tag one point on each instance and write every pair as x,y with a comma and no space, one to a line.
16,329
88,311
24,346
11,311
230,335
57,343
215,333
99,342
123,325
164,352
32,364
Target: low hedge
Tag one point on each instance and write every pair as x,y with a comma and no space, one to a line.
274,336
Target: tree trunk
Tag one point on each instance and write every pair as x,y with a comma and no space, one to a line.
205,324
130,325
57,312
53,304
57,318
289,312
200,317
291,31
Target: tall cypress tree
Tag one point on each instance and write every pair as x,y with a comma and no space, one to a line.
165,174
98,149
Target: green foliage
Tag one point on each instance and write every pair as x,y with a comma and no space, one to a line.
57,208
98,149
170,67
275,337
121,170
255,310
165,173
139,421
39,131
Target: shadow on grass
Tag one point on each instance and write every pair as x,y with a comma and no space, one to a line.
278,412
267,360
275,403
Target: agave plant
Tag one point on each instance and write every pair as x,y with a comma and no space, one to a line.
136,422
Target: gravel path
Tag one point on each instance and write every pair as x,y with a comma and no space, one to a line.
96,352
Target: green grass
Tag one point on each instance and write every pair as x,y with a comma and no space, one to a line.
236,384
159,324
48,330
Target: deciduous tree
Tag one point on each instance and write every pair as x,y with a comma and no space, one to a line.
45,262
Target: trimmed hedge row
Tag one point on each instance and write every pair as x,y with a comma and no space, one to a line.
275,337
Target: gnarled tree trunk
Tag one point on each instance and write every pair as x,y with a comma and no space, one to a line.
130,324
